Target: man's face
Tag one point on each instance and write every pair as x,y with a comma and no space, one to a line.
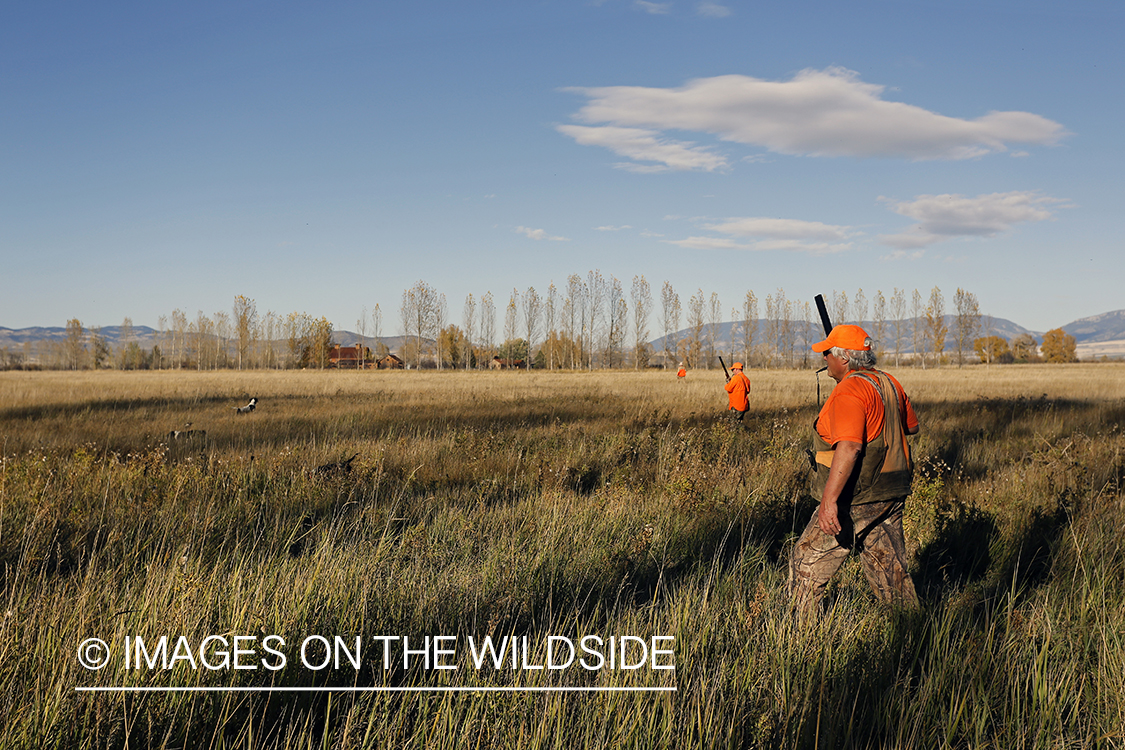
837,366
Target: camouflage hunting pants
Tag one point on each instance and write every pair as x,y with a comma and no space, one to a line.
875,531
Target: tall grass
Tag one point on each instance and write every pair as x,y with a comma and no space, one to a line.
554,504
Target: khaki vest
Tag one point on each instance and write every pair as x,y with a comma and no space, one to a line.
883,469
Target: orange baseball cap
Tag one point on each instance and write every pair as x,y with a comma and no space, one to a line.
845,337
736,366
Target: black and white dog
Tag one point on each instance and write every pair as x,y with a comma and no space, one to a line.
248,408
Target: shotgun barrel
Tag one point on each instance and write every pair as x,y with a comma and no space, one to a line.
824,319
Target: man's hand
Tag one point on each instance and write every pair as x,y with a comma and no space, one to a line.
843,463
828,518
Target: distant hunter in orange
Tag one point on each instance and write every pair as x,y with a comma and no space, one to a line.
682,372
738,391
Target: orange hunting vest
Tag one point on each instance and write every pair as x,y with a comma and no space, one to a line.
884,469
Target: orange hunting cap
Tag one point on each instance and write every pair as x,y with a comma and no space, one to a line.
736,366
845,337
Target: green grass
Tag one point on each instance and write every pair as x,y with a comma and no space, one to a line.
524,505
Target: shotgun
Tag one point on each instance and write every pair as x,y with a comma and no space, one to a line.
824,319
725,372
827,323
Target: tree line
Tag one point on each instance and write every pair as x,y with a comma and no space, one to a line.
591,322
594,322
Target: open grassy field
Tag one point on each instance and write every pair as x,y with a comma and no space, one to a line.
544,506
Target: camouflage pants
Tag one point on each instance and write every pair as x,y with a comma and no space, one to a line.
875,530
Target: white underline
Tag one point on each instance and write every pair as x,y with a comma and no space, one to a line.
125,689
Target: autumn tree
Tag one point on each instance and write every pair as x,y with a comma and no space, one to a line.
1059,347
452,345
124,338
898,315
420,312
879,323
695,323
597,292
222,336
841,311
807,328
617,320
916,328
74,344
361,327
550,320
559,348
670,312
511,321
100,353
320,337
244,314
967,321
441,313
1025,348
179,338
381,348
749,325
205,341
859,308
572,317
770,326
469,323
784,309
487,325
160,345
532,318
936,329
297,328
992,349
271,324
714,320
641,296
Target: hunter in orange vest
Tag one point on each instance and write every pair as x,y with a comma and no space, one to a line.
738,391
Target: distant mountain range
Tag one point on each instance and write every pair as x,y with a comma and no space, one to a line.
1096,336
1099,336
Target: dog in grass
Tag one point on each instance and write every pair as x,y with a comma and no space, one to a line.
248,408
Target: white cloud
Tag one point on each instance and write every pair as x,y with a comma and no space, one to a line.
827,112
646,146
712,10
609,228
787,235
780,229
902,255
538,234
658,9
943,217
710,243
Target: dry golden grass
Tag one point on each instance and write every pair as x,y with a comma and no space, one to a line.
134,410
556,503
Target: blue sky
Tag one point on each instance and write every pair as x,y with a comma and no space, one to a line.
323,159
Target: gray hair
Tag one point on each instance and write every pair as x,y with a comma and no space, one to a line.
857,359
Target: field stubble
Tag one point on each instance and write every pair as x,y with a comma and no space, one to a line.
537,504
